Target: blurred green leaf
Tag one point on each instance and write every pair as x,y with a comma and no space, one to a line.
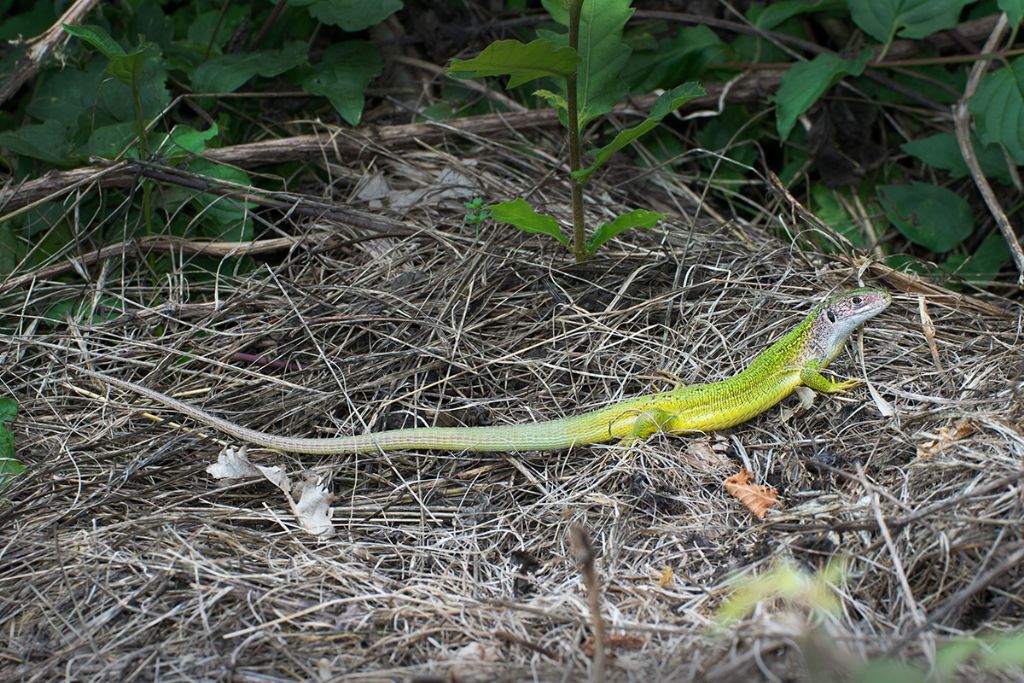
805,82
187,141
1014,10
1006,650
8,410
350,15
776,13
124,66
49,141
890,671
228,73
520,214
342,76
639,218
684,56
928,215
521,62
942,151
885,19
36,20
998,108
666,103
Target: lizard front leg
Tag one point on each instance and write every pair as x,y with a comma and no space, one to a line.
811,376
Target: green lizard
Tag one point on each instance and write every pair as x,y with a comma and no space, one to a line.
795,359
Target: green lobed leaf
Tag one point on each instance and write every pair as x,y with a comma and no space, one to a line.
942,151
638,218
998,108
520,214
350,15
805,82
228,73
928,215
521,62
342,76
666,103
1014,10
885,19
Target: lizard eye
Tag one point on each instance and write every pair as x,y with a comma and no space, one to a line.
856,300
831,316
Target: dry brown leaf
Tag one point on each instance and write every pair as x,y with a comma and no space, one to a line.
754,497
616,641
947,435
666,578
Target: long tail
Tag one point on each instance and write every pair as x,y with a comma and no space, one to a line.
539,436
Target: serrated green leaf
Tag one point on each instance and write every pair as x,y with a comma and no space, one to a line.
521,62
666,103
342,76
520,214
928,215
639,218
552,98
778,12
998,108
885,19
805,82
1014,10
350,15
228,73
942,151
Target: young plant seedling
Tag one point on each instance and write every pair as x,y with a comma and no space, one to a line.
585,62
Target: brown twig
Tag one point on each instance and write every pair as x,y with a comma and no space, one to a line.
42,46
962,119
584,552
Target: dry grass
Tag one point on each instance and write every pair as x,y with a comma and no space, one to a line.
121,559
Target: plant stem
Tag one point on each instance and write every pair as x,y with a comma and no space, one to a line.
578,232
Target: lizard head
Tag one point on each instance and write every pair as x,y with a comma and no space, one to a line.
837,318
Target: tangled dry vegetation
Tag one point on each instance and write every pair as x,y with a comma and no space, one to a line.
122,559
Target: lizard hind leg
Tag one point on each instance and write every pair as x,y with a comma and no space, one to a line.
645,423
